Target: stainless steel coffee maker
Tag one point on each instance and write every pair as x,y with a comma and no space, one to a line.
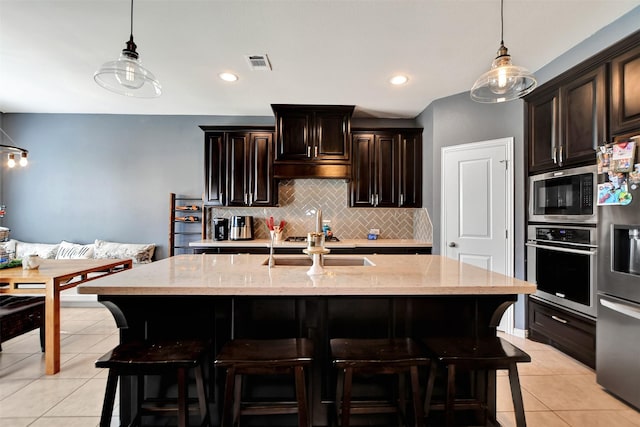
241,228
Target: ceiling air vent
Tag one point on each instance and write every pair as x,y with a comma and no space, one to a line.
258,62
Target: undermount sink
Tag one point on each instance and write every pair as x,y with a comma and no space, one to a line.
305,261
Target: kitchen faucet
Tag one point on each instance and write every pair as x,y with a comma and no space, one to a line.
271,261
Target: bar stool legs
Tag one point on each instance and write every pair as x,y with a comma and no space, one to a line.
488,353
159,358
378,357
242,357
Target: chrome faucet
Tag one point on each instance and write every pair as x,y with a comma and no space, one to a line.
319,230
271,261
319,221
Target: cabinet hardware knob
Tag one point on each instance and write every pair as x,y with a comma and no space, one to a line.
452,245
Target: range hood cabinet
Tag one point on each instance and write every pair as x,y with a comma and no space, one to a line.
312,141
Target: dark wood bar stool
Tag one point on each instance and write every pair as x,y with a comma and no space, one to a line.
264,357
487,353
156,358
376,357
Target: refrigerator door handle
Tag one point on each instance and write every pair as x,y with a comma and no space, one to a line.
621,308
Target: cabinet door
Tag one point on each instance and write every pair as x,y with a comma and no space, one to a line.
261,183
362,171
331,136
386,174
625,92
214,169
583,113
543,132
294,140
410,170
237,145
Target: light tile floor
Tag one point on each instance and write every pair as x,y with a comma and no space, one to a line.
557,390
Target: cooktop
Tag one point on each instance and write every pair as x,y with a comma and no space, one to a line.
304,239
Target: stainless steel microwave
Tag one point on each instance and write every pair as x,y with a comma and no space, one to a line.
564,196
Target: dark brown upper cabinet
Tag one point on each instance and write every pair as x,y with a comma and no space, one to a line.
239,167
386,169
310,137
567,122
214,169
410,169
625,92
250,176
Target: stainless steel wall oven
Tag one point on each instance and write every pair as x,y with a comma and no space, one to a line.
561,260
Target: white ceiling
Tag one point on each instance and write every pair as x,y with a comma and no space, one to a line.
322,51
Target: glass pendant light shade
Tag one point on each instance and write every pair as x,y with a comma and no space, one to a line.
503,82
127,76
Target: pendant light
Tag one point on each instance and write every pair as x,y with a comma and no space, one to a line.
12,150
504,81
126,75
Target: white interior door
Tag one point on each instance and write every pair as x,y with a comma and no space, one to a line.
477,207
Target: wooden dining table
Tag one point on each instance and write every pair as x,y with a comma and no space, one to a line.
51,278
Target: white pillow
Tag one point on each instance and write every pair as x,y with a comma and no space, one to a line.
69,250
139,253
9,246
43,250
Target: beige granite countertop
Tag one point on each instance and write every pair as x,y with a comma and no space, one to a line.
246,275
343,243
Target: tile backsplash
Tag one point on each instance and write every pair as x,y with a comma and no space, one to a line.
298,200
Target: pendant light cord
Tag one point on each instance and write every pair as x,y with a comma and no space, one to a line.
501,21
132,18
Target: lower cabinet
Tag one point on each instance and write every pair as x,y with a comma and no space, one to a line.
570,333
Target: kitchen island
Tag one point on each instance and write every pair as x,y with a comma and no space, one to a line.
220,297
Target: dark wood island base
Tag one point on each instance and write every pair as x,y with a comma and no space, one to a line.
221,318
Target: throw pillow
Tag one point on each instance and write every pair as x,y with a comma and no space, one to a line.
68,250
43,250
139,253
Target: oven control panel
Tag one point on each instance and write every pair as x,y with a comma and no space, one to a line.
566,235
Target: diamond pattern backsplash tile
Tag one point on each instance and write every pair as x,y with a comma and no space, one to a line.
299,199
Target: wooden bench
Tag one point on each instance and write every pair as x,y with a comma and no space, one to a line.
19,315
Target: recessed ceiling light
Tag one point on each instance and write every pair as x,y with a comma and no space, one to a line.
399,80
228,77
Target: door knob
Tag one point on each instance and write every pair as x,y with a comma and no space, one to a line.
452,245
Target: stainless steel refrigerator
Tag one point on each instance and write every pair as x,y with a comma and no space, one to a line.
618,321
